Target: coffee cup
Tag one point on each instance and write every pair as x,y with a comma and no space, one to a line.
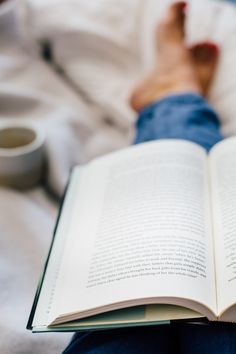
21,155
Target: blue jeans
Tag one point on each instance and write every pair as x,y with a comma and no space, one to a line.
186,116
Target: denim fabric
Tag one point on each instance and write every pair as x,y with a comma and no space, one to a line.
146,340
176,338
214,338
186,116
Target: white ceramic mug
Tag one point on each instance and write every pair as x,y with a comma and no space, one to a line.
21,155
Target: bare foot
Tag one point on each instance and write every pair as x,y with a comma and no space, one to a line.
205,58
174,71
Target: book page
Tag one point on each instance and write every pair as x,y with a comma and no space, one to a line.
140,229
223,185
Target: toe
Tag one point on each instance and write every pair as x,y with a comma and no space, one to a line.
204,53
176,14
171,28
205,57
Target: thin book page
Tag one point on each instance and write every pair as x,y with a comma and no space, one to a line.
141,230
223,187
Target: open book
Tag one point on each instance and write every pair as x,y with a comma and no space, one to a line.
145,235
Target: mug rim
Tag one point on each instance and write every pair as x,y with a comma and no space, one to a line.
27,148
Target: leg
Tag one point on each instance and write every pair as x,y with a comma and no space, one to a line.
216,338
170,100
184,116
151,340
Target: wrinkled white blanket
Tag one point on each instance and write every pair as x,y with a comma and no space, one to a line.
100,49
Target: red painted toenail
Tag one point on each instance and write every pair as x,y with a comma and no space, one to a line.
183,6
212,47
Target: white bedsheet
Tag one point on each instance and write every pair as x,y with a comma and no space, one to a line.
101,48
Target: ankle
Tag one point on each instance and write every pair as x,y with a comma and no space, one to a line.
148,94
